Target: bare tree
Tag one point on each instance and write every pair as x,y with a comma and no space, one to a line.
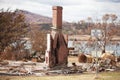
38,41
108,28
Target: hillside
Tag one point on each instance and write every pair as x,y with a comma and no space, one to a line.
40,21
35,18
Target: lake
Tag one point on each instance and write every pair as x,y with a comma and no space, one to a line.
115,49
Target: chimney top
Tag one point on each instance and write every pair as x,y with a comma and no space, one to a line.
57,8
57,17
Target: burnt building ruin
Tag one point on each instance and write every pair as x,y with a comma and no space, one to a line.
57,51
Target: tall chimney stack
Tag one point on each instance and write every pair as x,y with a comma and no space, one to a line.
57,17
57,51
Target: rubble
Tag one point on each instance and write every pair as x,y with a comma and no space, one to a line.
15,68
20,68
4,63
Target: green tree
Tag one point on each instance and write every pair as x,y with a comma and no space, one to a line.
12,28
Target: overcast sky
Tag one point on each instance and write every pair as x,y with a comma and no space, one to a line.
73,10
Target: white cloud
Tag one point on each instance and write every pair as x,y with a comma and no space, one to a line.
73,10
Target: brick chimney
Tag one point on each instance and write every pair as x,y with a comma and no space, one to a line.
57,17
57,51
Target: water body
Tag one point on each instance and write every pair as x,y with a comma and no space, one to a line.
115,49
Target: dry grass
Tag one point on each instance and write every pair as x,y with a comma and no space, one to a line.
87,76
73,59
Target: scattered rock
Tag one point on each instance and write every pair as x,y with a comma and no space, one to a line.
34,59
109,69
3,63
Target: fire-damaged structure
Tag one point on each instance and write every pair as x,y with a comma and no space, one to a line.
57,51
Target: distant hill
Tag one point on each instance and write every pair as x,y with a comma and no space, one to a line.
35,18
40,21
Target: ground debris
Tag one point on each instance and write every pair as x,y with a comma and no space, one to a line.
19,68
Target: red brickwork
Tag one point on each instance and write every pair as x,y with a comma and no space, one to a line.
57,17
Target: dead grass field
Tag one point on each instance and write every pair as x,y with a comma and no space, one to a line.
85,76
73,59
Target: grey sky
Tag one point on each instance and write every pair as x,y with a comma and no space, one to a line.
73,10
